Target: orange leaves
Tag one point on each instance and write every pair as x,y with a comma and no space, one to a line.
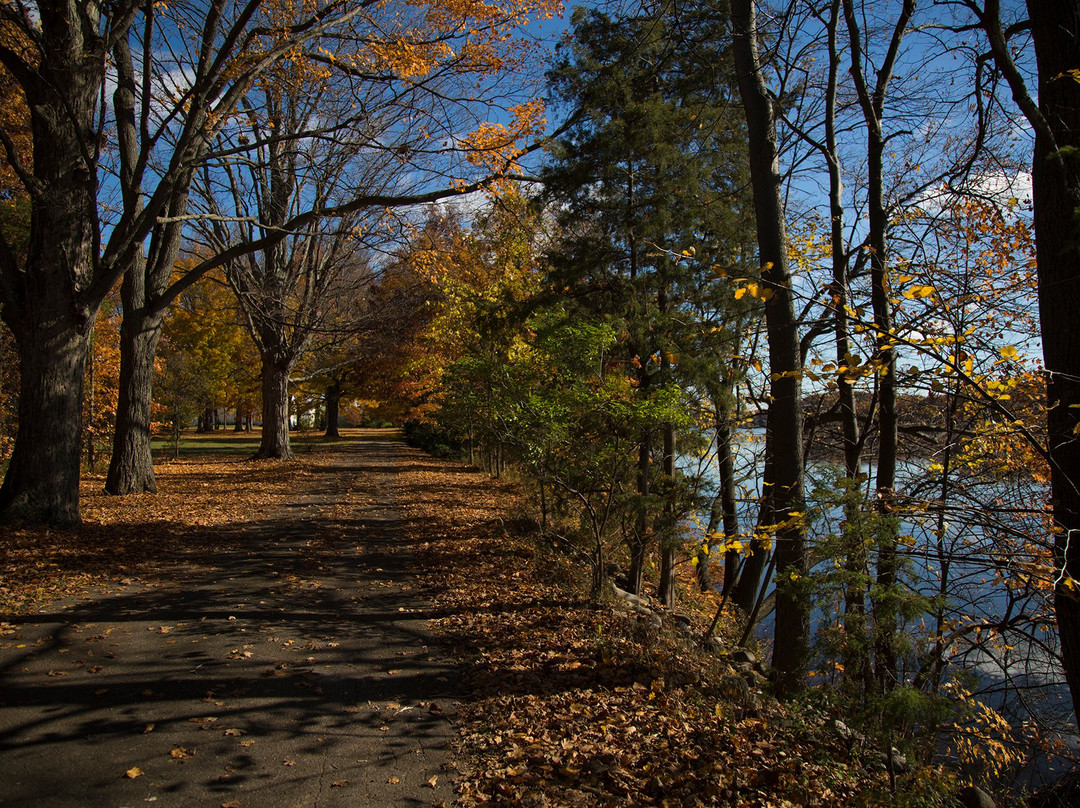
495,146
581,706
407,59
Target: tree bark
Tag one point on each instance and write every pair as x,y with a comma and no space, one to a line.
42,481
636,573
666,590
333,400
131,469
728,514
51,297
275,409
872,102
1056,193
784,427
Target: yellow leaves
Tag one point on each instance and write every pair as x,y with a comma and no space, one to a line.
406,59
133,772
495,145
919,292
755,290
1069,587
1009,352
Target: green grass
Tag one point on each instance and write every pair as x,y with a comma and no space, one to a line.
227,443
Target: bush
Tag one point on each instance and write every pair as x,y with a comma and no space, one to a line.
431,439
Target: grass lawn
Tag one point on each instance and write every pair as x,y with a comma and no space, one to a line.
242,445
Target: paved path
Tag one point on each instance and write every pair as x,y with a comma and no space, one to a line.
294,671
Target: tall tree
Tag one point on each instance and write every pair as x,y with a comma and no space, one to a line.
101,186
286,290
647,180
1055,118
783,506
77,250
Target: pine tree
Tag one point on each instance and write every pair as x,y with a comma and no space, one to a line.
647,182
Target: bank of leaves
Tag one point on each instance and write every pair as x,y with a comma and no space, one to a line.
577,704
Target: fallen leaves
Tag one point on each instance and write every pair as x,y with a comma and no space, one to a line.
575,705
186,518
133,772
180,753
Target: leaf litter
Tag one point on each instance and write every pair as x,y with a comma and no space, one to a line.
577,704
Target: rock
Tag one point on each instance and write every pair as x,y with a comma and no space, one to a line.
681,620
899,762
847,733
742,655
755,679
975,797
754,707
737,693
715,645
630,597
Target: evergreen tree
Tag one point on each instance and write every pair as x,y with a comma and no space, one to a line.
648,184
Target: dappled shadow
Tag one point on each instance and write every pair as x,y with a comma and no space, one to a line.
262,658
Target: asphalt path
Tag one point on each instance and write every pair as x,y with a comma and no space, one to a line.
294,668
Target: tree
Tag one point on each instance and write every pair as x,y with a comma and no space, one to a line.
389,70
76,253
286,290
1055,119
783,506
646,183
205,352
182,70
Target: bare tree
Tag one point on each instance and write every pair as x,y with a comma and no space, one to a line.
1055,118
783,503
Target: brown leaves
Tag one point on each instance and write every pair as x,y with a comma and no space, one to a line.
578,706
133,772
135,538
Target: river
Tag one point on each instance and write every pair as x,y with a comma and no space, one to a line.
981,557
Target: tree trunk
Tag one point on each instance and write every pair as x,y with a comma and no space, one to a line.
91,448
666,590
1056,193
131,469
275,409
42,481
886,619
50,298
636,573
725,463
784,433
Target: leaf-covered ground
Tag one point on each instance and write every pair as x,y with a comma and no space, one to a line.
571,703
576,704
143,535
